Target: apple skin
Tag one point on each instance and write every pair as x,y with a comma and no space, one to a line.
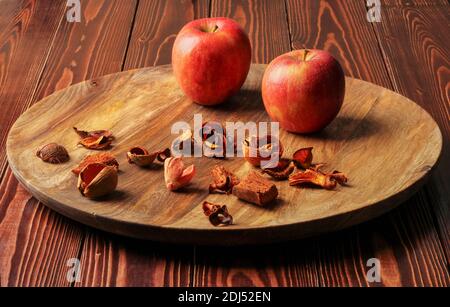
211,58
303,92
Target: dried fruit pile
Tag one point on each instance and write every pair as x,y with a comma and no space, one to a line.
98,173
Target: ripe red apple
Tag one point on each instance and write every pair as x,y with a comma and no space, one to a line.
211,59
303,90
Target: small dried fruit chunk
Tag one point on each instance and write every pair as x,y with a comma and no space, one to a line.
213,136
53,153
140,156
282,171
176,175
218,215
223,180
102,158
258,151
316,177
97,180
256,189
97,140
163,155
303,157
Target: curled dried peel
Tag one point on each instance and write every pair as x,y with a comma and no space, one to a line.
318,178
259,149
213,136
102,158
176,175
140,156
97,180
282,171
53,153
218,215
97,140
223,180
303,157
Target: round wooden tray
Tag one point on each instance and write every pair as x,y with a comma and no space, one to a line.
385,143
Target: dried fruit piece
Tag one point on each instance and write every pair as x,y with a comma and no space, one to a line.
175,175
102,158
218,215
318,178
163,155
341,178
214,138
303,157
260,149
223,180
282,171
256,189
186,138
95,133
97,140
53,153
140,156
97,180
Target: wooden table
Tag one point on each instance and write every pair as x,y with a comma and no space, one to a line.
41,52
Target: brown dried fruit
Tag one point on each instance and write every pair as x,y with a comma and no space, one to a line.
258,150
218,215
176,175
102,158
303,157
53,153
318,178
97,180
256,189
163,155
223,180
214,138
140,156
97,140
282,171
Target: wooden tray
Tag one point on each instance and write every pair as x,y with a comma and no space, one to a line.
385,143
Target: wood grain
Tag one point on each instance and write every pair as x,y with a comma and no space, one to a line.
345,32
267,27
141,263
156,26
263,20
370,126
416,51
25,26
21,20
404,250
78,52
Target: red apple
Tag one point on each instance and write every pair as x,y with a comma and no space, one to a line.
303,90
211,59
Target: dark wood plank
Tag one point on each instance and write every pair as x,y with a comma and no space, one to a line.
95,47
27,26
156,26
80,51
264,21
416,51
20,69
345,32
35,241
111,260
273,265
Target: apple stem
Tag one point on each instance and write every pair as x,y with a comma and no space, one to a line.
304,54
216,27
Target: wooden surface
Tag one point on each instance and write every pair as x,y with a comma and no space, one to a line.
371,140
408,52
